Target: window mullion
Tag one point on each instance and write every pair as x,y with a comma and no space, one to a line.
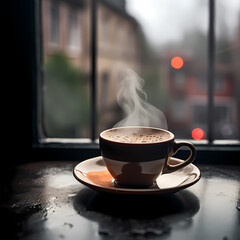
93,65
211,70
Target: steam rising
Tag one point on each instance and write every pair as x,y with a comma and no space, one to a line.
133,101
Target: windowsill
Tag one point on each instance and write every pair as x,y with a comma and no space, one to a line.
219,152
87,141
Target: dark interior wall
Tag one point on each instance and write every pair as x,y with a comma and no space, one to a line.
17,66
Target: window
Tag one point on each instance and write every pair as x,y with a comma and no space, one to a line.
104,90
82,101
119,38
104,34
224,127
179,79
74,34
219,83
179,110
164,31
54,22
227,52
65,84
199,116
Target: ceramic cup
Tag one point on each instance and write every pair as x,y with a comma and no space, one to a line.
136,156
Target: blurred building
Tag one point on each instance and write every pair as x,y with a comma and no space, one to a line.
187,88
66,29
180,93
119,40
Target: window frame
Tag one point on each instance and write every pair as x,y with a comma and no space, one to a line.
209,151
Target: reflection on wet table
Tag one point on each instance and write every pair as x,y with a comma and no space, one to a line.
46,202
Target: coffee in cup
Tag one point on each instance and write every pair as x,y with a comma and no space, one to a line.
136,156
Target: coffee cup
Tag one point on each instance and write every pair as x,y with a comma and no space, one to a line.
136,156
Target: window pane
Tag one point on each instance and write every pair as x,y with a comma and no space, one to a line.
145,36
54,22
66,68
227,79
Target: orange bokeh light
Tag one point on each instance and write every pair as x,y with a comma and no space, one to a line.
177,62
198,134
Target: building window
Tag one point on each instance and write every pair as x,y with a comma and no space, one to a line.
179,80
119,39
74,28
104,90
224,123
104,30
199,116
54,22
179,110
219,83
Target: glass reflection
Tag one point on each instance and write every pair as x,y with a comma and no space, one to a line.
227,86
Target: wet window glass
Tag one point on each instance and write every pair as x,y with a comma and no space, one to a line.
65,26
165,44
151,67
227,76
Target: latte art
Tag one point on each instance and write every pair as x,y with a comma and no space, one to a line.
143,135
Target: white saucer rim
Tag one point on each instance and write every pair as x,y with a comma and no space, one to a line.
134,190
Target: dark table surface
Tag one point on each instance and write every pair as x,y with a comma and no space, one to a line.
47,202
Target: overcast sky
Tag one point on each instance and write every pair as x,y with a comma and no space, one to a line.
165,21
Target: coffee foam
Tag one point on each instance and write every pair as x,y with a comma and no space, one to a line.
136,135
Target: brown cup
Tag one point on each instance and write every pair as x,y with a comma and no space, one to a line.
138,162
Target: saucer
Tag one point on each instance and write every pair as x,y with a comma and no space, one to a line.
94,174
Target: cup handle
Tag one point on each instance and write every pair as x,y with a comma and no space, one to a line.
176,146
